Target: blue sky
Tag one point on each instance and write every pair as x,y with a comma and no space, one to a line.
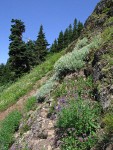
55,15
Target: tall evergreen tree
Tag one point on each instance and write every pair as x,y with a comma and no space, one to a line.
6,75
54,47
66,38
17,48
30,53
75,30
60,41
70,34
80,27
41,44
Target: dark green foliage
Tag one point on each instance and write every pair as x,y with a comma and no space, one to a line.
17,49
66,38
41,44
79,29
30,53
70,33
6,76
54,47
75,33
60,41
7,129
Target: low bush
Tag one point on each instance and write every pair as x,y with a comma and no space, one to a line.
81,43
107,35
108,120
70,62
7,128
78,122
46,89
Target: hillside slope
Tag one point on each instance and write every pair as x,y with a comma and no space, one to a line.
75,106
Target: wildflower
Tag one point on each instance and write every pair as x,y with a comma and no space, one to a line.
58,108
62,101
85,139
80,139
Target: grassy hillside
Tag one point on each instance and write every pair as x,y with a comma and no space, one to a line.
11,94
79,92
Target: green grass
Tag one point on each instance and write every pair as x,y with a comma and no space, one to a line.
30,104
7,128
10,95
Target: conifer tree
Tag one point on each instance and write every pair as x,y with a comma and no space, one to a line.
6,75
54,47
70,34
17,49
60,41
66,38
75,30
41,44
30,53
80,27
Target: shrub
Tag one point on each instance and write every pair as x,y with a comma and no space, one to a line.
107,35
7,129
109,22
46,89
75,59
81,43
78,122
108,120
72,61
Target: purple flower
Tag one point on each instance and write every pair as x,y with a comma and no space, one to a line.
80,139
58,108
62,101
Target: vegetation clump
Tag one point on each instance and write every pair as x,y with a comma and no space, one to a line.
30,104
7,128
75,60
78,122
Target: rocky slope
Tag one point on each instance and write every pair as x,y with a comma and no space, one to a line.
37,131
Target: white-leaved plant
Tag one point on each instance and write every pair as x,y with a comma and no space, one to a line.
46,89
75,59
81,43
